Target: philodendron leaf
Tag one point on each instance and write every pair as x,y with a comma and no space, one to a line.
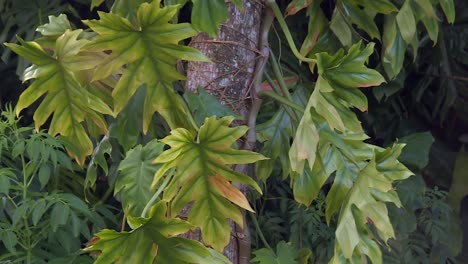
335,92
135,176
365,203
150,49
153,241
66,99
349,70
203,177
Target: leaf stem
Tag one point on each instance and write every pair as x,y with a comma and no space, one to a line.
282,100
259,231
272,4
155,196
279,77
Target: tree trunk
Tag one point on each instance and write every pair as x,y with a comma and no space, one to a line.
234,54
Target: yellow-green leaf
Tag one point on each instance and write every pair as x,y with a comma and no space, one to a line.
149,48
66,99
449,9
153,241
204,179
406,22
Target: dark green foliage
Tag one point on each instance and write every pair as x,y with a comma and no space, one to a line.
42,216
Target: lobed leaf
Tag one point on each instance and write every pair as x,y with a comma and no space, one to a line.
66,99
203,178
149,48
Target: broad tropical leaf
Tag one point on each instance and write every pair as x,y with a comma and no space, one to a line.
365,203
335,92
66,98
152,241
203,177
349,70
149,49
135,176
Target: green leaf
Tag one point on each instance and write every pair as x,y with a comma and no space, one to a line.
149,48
393,48
5,175
406,22
416,152
365,202
95,3
153,241
341,29
308,184
59,215
135,176
449,9
9,239
349,70
44,175
305,142
324,107
359,17
459,185
425,11
57,26
204,178
275,135
208,15
98,159
379,6
297,5
317,26
65,98
203,105
40,207
285,254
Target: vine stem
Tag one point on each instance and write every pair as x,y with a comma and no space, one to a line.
155,196
274,7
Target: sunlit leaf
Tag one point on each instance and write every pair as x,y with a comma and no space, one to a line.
65,99
203,177
149,48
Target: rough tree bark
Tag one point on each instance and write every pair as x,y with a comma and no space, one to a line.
229,78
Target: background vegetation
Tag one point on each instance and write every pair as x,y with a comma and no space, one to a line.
52,205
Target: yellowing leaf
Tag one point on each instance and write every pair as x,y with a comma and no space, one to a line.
149,48
230,192
66,99
202,176
365,202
